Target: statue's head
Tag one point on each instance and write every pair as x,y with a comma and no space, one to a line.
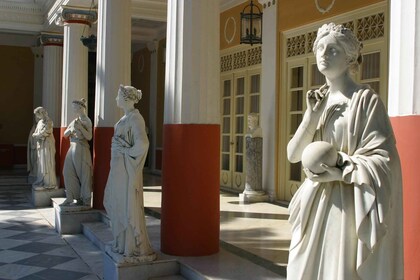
40,113
130,93
346,40
79,105
253,120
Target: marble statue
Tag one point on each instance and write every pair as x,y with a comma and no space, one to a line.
32,154
77,170
347,220
45,143
123,199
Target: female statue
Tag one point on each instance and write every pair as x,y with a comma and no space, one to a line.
123,199
77,170
347,219
45,143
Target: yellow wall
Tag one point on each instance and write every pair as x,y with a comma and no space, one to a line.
234,12
16,93
296,13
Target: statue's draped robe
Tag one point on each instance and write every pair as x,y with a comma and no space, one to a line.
123,199
77,170
46,154
351,229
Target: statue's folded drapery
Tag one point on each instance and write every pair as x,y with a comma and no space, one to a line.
123,199
356,223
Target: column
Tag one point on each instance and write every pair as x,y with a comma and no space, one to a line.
268,120
404,111
51,83
153,48
38,65
77,21
113,67
191,145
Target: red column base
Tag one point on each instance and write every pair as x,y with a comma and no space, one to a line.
190,220
408,139
101,160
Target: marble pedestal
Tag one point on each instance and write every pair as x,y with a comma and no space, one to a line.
253,184
69,219
42,197
116,269
253,196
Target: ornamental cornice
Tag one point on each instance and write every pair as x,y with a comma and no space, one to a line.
71,14
51,39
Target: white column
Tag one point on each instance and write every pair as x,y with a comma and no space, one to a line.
191,144
38,56
404,58
153,48
192,63
113,58
113,67
52,75
268,96
77,21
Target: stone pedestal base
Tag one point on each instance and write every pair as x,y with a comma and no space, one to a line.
69,219
253,196
42,197
116,269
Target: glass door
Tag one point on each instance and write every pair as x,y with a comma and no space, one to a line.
240,97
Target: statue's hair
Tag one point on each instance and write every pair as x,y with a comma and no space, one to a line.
82,102
41,110
346,38
131,93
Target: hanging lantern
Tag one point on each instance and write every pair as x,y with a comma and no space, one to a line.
251,25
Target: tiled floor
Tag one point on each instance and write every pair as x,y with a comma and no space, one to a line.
258,232
254,240
29,246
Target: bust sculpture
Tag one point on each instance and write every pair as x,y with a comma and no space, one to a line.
77,170
123,199
253,147
347,217
45,144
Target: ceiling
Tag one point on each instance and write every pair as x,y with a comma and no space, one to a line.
21,21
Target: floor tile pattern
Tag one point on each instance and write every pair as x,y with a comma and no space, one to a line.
30,248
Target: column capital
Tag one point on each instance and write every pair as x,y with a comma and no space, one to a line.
51,39
81,15
267,3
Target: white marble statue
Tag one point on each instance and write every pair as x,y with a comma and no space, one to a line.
347,220
46,177
123,199
77,170
32,153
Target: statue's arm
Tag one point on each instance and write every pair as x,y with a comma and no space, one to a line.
303,137
86,129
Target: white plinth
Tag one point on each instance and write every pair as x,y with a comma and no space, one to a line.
69,219
42,197
253,196
114,270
